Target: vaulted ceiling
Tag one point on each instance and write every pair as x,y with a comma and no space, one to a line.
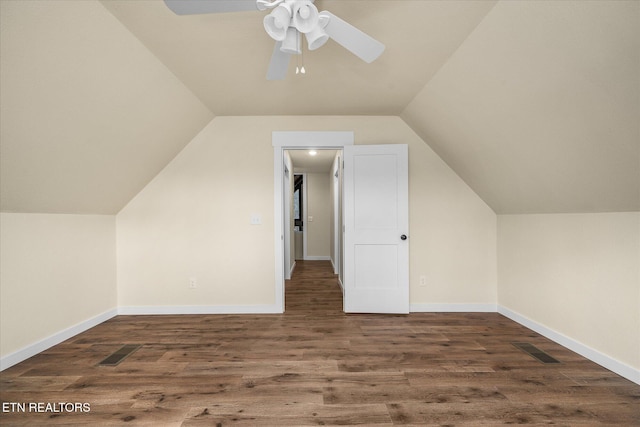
535,104
223,58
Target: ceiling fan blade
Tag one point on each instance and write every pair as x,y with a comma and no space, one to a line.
279,63
195,7
357,42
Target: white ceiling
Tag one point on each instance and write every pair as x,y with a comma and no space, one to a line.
319,163
535,104
223,58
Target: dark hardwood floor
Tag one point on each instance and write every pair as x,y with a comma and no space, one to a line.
314,365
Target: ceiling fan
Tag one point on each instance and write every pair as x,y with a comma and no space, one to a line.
286,23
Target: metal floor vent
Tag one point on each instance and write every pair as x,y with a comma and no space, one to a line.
535,352
118,356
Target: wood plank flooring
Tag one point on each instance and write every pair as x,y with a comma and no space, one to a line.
313,366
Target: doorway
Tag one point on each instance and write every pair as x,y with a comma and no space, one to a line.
315,219
299,211
282,142
313,204
375,250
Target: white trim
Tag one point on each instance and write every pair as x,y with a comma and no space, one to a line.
288,184
199,309
337,273
281,141
596,356
278,213
308,139
620,368
453,308
304,215
293,267
317,258
46,343
336,171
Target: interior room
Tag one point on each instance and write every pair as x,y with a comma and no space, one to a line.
143,188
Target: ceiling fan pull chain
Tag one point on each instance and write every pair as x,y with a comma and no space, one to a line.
297,57
300,57
302,70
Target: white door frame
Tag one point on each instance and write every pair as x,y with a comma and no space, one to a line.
303,214
336,171
288,176
294,140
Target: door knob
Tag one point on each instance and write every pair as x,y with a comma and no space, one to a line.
403,237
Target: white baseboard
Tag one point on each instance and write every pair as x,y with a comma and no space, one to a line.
42,345
317,258
293,267
333,265
453,308
620,368
602,359
200,309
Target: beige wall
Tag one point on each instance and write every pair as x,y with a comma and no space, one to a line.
452,234
319,207
57,271
576,274
192,220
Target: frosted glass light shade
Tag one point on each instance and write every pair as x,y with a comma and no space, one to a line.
277,22
305,16
316,38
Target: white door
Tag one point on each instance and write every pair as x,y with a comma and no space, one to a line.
376,219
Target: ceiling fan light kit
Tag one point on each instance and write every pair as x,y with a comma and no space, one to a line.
317,37
285,23
305,15
277,22
291,43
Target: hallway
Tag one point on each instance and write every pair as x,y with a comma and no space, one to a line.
313,288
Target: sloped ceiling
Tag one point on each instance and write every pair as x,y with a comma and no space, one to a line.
223,58
539,109
88,114
535,105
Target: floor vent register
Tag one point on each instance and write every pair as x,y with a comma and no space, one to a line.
118,356
535,352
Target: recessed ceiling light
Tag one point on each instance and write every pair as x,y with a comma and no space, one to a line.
312,152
